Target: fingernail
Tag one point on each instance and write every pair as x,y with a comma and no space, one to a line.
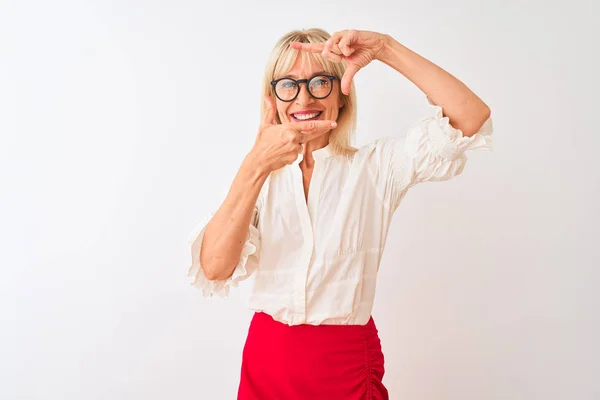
333,124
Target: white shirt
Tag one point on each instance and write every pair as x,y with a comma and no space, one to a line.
316,261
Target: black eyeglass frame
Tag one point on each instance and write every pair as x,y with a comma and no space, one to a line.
307,82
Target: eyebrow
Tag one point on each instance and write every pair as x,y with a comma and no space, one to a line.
296,77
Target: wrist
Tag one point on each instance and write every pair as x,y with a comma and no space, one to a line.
386,43
255,169
392,51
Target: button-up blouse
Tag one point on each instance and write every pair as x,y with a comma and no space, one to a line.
315,261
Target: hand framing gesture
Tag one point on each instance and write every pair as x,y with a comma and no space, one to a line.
357,48
277,145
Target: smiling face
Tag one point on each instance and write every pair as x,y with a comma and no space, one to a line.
306,68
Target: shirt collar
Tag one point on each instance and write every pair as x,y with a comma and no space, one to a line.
323,153
319,155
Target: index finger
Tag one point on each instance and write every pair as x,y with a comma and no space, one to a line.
311,47
309,126
312,129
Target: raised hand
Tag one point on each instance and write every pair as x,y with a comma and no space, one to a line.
278,145
357,48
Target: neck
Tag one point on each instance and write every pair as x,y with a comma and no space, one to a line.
308,160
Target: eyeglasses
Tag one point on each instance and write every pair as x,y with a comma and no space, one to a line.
319,87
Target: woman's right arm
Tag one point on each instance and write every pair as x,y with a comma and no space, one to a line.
225,250
225,234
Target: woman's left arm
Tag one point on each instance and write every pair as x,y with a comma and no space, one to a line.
465,110
433,148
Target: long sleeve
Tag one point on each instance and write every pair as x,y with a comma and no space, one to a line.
433,150
246,265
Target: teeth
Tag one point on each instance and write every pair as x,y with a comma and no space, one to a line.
306,116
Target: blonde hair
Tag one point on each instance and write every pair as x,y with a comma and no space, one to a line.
282,60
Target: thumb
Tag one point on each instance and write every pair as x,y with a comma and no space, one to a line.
269,117
351,70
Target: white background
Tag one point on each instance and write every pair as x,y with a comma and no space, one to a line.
123,123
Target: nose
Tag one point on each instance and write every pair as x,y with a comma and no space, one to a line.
304,97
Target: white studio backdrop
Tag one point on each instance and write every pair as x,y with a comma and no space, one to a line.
123,123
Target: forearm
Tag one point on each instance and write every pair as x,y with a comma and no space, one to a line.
225,234
464,108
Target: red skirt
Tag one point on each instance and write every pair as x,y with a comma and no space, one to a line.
316,362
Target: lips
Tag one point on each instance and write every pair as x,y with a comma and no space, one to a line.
302,115
306,112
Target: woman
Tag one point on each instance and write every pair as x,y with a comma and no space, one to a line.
308,214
